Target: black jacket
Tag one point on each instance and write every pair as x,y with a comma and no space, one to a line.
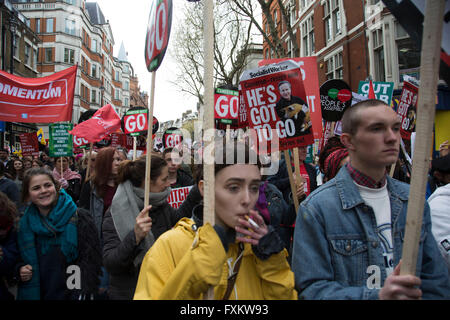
7,263
118,256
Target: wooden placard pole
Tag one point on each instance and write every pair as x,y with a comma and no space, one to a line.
429,71
89,162
208,120
287,158
148,159
134,147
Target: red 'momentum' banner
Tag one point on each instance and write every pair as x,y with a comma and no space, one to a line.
43,100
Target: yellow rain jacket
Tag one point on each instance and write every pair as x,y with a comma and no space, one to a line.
182,264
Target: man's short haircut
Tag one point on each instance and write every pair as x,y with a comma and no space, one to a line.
351,119
284,82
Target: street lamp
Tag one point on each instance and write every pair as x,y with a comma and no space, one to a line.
12,27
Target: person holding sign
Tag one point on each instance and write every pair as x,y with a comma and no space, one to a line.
190,258
129,229
349,233
68,179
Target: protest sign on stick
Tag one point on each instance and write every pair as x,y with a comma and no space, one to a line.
429,70
29,144
60,142
156,42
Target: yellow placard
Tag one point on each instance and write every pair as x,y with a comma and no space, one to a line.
442,127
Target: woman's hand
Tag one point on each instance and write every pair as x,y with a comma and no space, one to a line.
26,272
63,183
252,232
143,225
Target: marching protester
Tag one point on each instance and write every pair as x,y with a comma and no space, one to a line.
4,156
439,202
349,232
37,163
129,229
87,159
189,259
55,239
330,165
438,175
97,194
9,253
178,177
303,189
8,187
69,180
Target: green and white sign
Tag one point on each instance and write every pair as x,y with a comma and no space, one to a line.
60,141
383,90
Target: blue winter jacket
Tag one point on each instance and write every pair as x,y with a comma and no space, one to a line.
337,253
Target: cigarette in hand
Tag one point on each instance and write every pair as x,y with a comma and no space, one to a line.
252,222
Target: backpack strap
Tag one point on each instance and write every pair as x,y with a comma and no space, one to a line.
233,276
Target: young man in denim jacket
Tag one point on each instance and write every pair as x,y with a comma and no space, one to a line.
349,233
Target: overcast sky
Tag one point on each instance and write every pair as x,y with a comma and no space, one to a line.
128,20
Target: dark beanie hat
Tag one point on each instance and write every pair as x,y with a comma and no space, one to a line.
441,164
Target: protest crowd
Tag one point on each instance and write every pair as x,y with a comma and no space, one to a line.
59,222
301,192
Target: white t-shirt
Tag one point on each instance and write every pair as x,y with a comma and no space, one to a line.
378,200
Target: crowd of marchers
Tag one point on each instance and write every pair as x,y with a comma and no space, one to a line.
78,228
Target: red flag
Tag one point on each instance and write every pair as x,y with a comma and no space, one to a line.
44,100
371,91
104,122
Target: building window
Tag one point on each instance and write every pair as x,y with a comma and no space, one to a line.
125,102
94,45
117,94
48,54
16,46
378,54
35,57
335,68
126,85
117,76
94,96
408,53
332,19
70,27
69,56
292,12
38,26
308,42
49,25
27,54
94,71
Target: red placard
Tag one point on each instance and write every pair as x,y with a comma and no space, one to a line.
178,195
29,144
407,109
276,106
310,77
37,100
158,32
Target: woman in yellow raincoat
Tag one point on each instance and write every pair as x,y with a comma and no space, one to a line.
240,258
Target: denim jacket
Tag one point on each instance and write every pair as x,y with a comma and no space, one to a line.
337,253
